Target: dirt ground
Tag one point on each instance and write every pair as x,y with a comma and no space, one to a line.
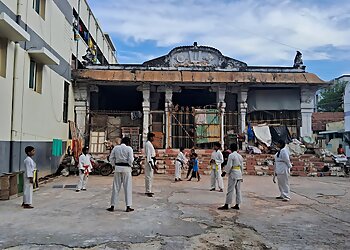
182,215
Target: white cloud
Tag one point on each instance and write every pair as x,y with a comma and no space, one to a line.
264,31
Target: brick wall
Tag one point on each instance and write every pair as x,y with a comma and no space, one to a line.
304,165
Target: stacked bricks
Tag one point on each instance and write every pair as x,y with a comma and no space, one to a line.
304,165
166,160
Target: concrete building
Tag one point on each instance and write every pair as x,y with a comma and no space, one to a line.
194,96
38,49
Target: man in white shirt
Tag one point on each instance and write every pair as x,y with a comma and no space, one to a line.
282,170
215,165
122,157
29,167
234,169
85,168
179,163
150,165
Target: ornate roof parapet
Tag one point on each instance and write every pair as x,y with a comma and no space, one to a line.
196,57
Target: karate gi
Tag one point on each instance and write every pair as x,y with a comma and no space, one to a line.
85,168
234,169
179,162
216,169
282,171
29,167
150,153
122,157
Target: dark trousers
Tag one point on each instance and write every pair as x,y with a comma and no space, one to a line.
189,171
195,174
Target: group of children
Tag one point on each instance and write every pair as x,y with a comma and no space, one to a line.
181,160
231,161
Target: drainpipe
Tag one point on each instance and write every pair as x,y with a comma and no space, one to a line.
14,83
77,50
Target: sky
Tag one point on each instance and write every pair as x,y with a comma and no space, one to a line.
257,32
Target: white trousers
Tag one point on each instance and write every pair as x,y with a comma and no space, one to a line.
215,176
27,191
283,185
83,179
177,170
148,178
233,184
122,179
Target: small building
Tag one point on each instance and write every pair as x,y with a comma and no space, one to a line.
40,43
191,97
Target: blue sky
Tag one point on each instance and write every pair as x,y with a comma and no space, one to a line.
264,32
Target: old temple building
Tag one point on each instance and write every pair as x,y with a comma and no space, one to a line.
192,96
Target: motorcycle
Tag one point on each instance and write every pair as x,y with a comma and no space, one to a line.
102,167
342,161
136,166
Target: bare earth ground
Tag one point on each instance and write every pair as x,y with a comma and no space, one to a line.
181,216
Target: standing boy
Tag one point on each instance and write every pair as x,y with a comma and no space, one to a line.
122,157
85,168
215,165
190,163
150,165
29,167
234,169
179,163
282,170
195,169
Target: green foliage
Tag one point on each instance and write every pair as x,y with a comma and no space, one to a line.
332,98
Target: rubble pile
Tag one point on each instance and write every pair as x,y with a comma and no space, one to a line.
257,164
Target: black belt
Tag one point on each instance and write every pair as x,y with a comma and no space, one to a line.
180,162
122,164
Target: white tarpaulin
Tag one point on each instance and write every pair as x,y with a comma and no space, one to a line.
262,133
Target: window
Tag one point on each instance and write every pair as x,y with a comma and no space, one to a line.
35,76
39,7
3,56
65,102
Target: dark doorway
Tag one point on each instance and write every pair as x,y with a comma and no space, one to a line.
117,98
194,98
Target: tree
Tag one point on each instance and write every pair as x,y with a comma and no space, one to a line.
332,98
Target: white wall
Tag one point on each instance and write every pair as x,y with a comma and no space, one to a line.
6,95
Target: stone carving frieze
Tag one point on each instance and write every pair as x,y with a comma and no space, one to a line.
196,56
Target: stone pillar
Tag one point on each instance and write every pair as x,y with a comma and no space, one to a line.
168,108
242,109
146,92
307,106
220,98
81,108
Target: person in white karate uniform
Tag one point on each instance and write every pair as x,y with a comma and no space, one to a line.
29,167
150,164
215,165
234,169
282,171
122,157
180,161
85,168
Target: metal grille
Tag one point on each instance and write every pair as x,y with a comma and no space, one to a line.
289,118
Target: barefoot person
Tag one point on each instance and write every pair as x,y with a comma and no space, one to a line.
29,167
179,163
122,157
282,170
215,164
150,165
234,170
85,168
195,168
